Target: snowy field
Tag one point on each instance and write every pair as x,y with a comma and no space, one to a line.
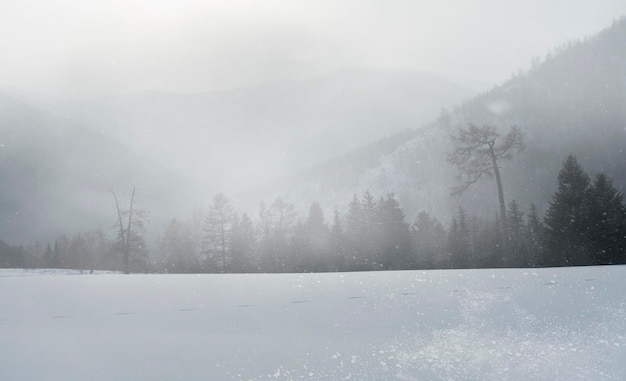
529,324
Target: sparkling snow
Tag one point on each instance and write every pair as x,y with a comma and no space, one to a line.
528,324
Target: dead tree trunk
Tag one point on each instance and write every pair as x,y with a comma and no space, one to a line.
503,222
125,233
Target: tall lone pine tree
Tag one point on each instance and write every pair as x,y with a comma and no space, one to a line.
477,152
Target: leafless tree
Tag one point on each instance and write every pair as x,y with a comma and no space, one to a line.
129,238
478,152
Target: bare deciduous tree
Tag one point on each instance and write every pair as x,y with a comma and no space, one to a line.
477,152
130,239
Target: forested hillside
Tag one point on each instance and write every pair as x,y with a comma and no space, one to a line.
573,101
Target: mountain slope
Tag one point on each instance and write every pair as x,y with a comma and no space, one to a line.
572,102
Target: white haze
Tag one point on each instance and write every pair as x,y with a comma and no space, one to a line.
77,49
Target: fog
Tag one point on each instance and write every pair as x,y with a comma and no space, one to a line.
185,99
77,49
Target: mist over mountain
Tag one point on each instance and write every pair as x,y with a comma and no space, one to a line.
60,160
57,176
573,101
253,134
318,136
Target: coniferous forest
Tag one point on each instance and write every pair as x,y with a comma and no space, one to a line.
584,224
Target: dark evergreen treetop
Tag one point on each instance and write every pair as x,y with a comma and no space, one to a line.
607,222
566,216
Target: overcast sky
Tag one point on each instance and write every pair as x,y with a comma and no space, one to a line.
78,48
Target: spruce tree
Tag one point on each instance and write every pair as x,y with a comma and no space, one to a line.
534,237
337,245
242,242
393,234
516,246
354,221
48,257
317,236
567,217
459,244
606,230
429,242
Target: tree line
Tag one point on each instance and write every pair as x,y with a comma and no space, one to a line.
584,224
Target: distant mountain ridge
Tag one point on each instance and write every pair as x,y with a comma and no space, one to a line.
573,101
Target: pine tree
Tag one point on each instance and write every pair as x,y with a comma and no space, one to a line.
284,216
429,242
338,244
488,245
48,257
177,248
242,243
459,244
355,225
354,218
478,152
535,237
217,229
567,217
393,235
301,257
59,252
516,247
369,237
275,227
78,252
606,230
318,237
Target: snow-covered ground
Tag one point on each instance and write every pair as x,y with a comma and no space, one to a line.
528,324
32,272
